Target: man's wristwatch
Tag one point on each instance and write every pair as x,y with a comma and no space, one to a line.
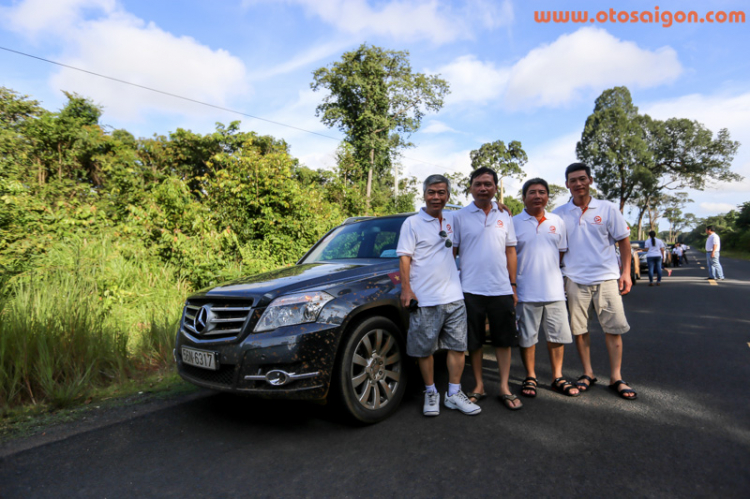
513,284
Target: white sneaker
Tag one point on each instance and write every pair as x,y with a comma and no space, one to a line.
431,404
461,402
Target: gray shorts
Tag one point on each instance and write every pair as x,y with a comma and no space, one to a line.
604,299
552,316
438,327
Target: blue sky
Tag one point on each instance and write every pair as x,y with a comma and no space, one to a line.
511,77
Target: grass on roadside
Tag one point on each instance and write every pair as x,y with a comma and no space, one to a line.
27,420
731,253
91,314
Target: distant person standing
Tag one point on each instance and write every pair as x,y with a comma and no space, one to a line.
654,256
684,253
676,255
713,247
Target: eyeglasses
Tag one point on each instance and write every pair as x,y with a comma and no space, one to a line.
448,242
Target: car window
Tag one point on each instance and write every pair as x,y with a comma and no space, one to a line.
374,238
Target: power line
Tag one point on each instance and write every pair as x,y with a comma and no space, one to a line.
195,101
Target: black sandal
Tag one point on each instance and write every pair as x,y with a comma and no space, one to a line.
562,385
622,393
582,387
529,384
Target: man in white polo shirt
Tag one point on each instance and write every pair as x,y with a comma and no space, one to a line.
542,241
593,274
431,289
486,242
713,249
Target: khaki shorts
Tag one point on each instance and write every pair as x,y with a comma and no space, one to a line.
551,316
606,301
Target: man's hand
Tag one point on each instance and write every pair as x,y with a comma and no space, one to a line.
712,254
406,297
502,207
515,297
625,284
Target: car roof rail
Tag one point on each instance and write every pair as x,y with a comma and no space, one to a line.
351,220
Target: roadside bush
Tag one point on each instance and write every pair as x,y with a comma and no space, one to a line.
92,312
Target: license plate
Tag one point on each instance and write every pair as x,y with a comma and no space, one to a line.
200,358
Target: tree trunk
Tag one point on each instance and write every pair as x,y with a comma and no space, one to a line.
369,178
641,212
395,183
59,162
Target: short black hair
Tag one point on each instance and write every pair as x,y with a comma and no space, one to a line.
574,167
710,227
481,171
531,182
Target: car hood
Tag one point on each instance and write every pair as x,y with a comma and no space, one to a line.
268,285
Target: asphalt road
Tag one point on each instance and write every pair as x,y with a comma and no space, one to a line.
687,435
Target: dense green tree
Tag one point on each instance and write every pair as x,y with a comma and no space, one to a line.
631,153
507,161
376,100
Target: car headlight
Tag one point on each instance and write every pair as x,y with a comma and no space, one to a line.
292,309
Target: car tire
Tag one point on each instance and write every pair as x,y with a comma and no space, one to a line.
370,375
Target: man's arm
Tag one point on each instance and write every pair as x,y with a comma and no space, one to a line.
512,258
404,266
713,250
624,282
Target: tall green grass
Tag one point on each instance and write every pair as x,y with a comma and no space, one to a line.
91,313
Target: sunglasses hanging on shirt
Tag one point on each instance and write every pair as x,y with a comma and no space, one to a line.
448,242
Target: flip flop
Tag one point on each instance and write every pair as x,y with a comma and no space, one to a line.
476,396
614,387
507,400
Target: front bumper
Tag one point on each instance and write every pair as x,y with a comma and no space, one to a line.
307,351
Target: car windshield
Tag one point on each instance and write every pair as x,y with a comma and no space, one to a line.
374,238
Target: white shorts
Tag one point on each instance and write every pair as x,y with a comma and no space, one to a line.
552,316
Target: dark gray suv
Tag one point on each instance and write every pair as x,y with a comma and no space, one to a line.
330,325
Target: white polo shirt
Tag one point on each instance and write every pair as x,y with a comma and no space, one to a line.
654,250
539,246
482,240
713,239
591,257
433,275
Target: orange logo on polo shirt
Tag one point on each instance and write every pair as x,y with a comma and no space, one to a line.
552,229
598,220
499,224
448,228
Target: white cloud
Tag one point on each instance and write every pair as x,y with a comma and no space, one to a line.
51,16
408,20
718,207
305,58
589,59
715,111
115,43
473,81
436,126
549,159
